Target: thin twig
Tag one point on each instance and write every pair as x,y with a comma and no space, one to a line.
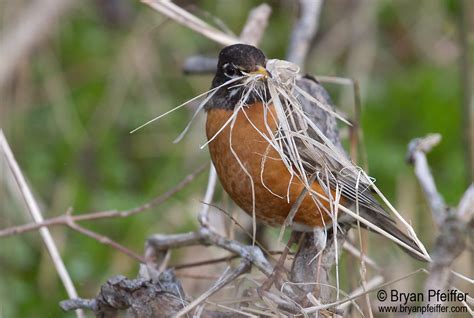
357,253
105,240
64,219
362,293
190,21
217,260
36,215
373,283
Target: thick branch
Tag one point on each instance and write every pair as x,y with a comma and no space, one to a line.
454,225
205,236
142,297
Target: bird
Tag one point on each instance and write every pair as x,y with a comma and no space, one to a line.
253,173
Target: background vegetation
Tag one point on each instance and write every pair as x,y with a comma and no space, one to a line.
107,66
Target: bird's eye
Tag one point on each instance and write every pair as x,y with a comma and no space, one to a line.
230,70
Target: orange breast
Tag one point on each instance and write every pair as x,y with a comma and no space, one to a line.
270,177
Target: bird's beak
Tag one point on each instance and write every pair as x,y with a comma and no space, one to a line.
260,70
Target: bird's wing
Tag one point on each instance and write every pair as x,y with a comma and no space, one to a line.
351,184
348,180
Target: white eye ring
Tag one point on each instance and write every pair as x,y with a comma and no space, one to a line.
230,70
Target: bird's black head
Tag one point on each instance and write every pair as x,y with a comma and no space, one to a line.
234,61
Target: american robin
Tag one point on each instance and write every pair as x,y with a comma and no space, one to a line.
253,173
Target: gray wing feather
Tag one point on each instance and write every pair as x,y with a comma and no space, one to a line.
353,188
347,181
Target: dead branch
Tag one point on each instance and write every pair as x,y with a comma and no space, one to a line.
256,24
304,31
105,240
252,33
153,294
66,219
70,220
142,297
417,150
454,225
37,216
190,21
158,244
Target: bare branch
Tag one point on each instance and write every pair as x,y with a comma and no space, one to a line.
357,253
256,24
190,21
205,236
304,31
217,260
252,33
105,240
449,244
466,206
142,297
36,215
417,150
78,303
64,219
453,225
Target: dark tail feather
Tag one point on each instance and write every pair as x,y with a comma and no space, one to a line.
385,223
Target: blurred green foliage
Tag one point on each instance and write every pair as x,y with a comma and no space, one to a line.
70,109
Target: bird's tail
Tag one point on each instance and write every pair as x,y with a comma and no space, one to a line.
385,223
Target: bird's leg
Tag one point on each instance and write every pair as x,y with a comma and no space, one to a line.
275,277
